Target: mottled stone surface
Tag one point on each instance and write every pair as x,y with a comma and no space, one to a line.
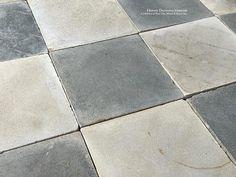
218,110
220,7
230,21
113,78
166,12
65,156
33,104
19,34
198,55
66,23
168,141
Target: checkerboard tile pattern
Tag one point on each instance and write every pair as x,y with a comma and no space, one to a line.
118,88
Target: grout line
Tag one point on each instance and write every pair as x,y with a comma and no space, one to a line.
89,153
214,136
36,142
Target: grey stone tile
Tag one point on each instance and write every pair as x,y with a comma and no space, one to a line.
165,141
19,34
220,7
198,55
139,11
33,105
230,21
218,110
65,156
67,23
112,78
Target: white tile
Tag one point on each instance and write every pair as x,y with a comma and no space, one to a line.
198,55
66,23
220,7
33,105
166,141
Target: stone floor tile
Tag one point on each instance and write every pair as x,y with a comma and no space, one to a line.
218,109
230,21
19,34
33,104
198,55
66,156
220,7
112,78
66,23
166,141
150,14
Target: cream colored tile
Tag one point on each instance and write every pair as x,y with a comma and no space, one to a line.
166,141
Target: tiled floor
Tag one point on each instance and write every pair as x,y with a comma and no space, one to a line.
117,88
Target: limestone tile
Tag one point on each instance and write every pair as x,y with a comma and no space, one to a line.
19,34
33,105
113,78
150,14
218,109
66,23
220,7
168,141
66,156
198,55
230,21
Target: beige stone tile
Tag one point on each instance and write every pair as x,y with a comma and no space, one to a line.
33,105
198,55
166,141
220,7
66,23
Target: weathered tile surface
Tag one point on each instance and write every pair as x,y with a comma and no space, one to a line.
166,141
198,55
139,11
230,21
113,78
66,156
218,110
32,101
19,34
66,23
220,7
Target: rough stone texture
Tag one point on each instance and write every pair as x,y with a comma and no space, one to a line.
137,8
33,104
218,110
19,34
198,55
66,23
168,141
230,21
66,156
220,7
113,78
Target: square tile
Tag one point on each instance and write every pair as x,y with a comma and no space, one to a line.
66,156
150,14
199,55
220,7
113,78
33,104
19,34
218,110
230,21
168,141
66,23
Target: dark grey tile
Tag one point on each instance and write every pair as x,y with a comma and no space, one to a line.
19,34
113,78
163,14
230,21
65,156
218,109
